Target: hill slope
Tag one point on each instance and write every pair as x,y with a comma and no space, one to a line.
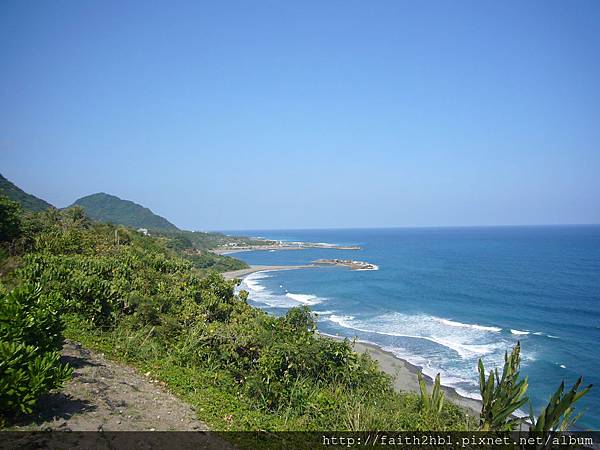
109,208
27,201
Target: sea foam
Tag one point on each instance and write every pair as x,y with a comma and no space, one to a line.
306,299
260,294
466,340
453,323
519,332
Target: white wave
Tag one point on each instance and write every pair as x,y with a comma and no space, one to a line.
453,323
464,393
325,244
464,385
539,333
373,267
519,332
252,283
468,342
323,313
562,366
259,293
342,320
306,299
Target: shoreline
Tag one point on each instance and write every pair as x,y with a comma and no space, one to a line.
403,372
242,273
405,377
282,246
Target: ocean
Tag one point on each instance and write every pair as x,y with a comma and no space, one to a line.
444,297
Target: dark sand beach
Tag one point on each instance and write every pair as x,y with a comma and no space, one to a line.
405,376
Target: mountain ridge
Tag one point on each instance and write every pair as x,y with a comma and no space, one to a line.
27,201
105,207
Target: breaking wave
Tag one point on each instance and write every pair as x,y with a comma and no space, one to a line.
260,294
518,332
465,340
306,299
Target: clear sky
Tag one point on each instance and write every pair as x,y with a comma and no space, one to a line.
296,114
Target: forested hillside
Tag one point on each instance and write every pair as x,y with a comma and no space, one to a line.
111,209
27,201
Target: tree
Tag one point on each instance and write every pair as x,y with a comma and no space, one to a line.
10,220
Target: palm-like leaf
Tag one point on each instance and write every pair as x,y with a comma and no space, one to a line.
502,394
557,415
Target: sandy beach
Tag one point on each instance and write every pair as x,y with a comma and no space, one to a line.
245,272
403,372
405,376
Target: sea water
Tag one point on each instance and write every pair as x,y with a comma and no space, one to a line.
444,297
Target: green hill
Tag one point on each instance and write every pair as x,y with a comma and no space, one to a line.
111,209
28,202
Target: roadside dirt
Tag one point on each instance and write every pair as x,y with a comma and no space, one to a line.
107,396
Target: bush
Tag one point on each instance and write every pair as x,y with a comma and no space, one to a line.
26,374
30,335
28,317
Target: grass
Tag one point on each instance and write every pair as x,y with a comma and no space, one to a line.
219,402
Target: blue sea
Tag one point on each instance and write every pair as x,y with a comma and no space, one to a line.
444,297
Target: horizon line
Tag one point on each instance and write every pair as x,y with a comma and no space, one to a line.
412,227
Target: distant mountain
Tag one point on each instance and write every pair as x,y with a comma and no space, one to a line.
109,208
28,202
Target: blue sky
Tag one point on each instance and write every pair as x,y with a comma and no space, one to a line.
281,114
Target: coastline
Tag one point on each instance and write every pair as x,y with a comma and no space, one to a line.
233,274
405,376
281,246
404,373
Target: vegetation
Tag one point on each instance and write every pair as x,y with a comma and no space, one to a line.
502,395
432,404
211,240
138,300
191,245
558,415
146,301
10,225
111,209
27,201
30,337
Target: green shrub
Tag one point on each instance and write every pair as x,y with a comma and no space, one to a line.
30,335
26,374
28,317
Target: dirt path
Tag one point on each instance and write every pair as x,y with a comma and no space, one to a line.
106,396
